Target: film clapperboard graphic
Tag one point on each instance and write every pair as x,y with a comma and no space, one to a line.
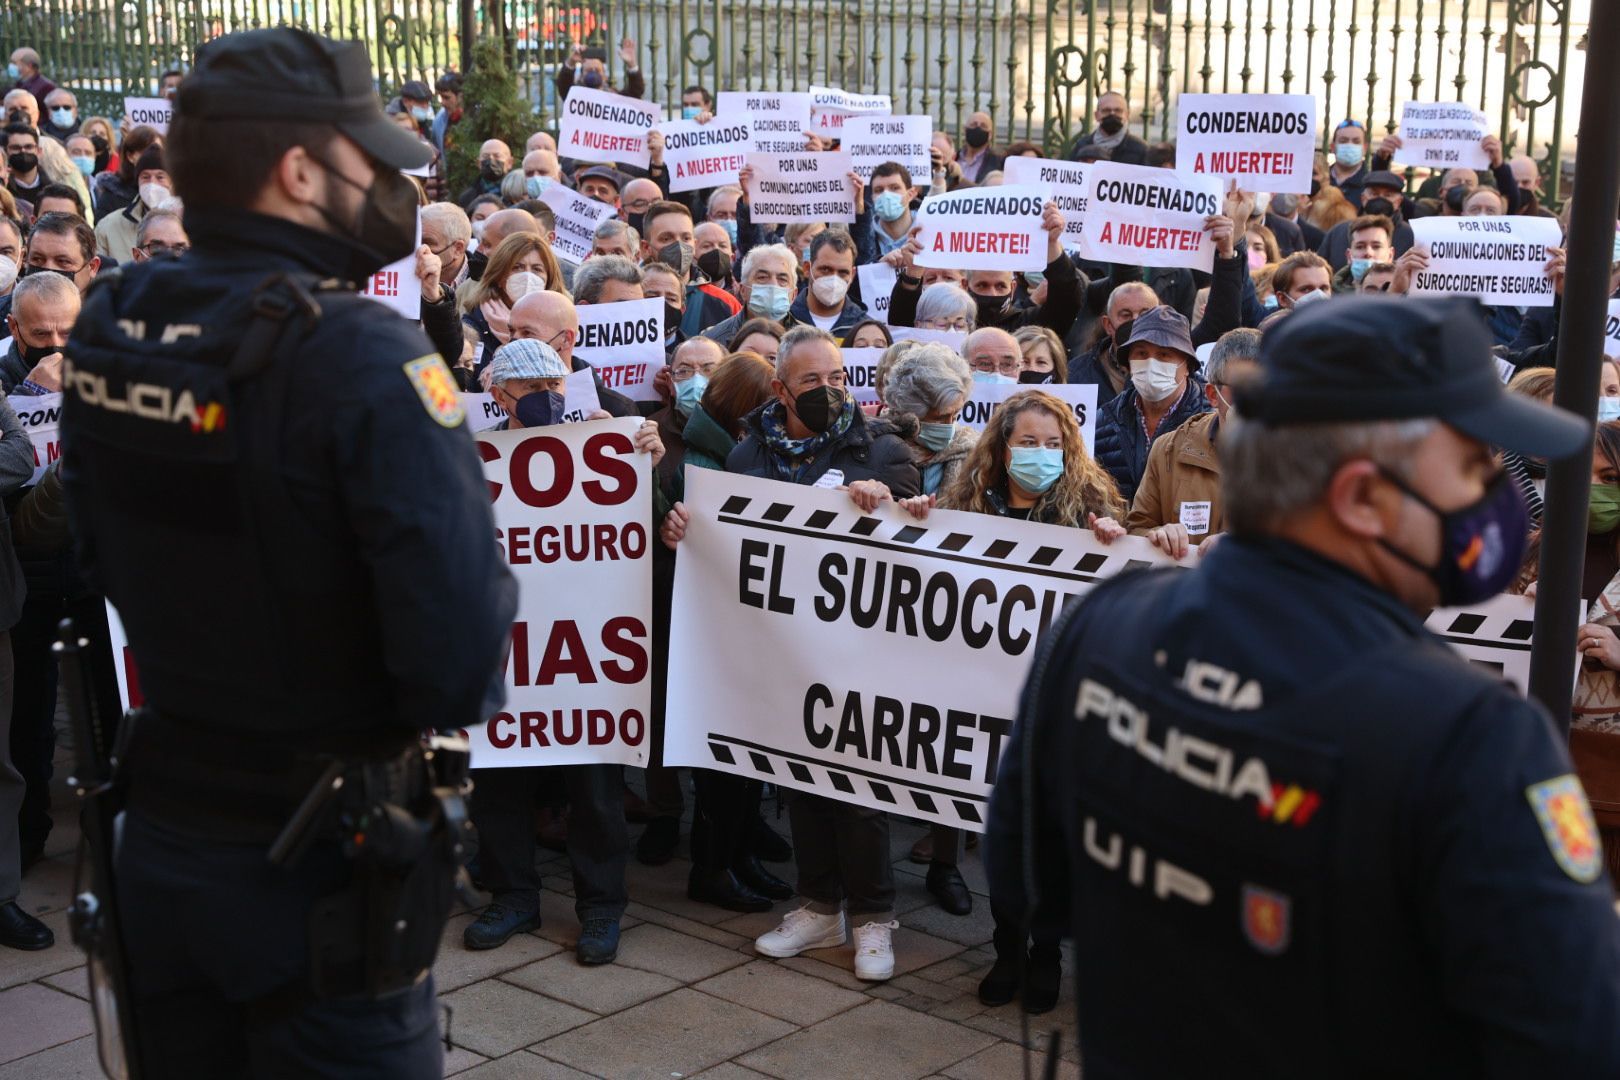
1496,635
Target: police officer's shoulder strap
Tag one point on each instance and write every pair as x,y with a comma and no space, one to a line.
275,302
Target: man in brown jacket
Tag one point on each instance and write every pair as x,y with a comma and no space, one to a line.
1179,501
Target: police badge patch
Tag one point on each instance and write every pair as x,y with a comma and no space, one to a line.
436,389
1566,821
1267,919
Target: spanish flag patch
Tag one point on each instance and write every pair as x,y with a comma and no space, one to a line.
1566,821
437,389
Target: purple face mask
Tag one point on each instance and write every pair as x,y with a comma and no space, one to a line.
1481,545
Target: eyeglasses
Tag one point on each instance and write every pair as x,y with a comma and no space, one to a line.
158,247
686,371
639,206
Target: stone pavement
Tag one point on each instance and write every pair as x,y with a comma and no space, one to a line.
687,997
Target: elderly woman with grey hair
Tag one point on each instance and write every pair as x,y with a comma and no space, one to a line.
946,307
924,391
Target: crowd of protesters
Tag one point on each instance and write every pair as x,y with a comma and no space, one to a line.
756,319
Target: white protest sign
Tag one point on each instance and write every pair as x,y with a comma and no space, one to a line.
602,126
624,342
1495,634
579,391
858,616
154,113
1067,180
1499,260
873,140
705,155
396,285
831,107
577,219
1265,142
996,228
1611,330
41,415
1137,216
1082,398
129,683
860,374
877,287
779,122
572,507
1443,136
955,339
789,188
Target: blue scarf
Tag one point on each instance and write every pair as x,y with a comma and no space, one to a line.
792,458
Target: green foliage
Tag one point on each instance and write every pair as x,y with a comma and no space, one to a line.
492,108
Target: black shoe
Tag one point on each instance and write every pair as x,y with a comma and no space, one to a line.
657,844
1043,981
1001,984
20,930
497,923
722,889
752,873
946,883
765,843
598,941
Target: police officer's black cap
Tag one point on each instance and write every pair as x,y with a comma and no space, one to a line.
1365,358
289,74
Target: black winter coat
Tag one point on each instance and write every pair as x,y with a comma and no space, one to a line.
869,450
1121,444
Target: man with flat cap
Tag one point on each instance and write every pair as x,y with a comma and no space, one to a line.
271,478
1301,835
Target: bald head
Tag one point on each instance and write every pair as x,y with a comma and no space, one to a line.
550,317
710,235
498,153
1126,303
540,140
1525,172
639,194
993,351
504,223
542,163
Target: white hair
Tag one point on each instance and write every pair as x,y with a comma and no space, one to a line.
942,300
927,379
50,289
449,219
769,251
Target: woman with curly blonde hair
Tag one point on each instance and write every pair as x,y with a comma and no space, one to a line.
523,263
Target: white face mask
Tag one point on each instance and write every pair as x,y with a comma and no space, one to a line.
1157,380
478,228
1262,203
830,290
523,283
8,272
153,195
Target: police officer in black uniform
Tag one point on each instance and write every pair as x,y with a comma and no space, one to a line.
1302,836
270,477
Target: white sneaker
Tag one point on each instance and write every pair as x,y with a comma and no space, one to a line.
874,951
802,929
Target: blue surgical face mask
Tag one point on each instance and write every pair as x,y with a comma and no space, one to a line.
1034,279
1359,268
540,409
536,185
87,165
62,118
1270,302
731,231
592,79
1035,468
1347,154
1608,409
689,393
935,436
421,113
691,112
14,71
768,302
889,206
992,377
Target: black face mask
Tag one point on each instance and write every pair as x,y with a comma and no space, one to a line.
677,256
989,308
1380,207
1111,125
29,271
476,261
672,318
714,265
32,357
386,230
1036,378
818,409
1316,187
976,137
635,221
24,162
103,152
491,171
1454,198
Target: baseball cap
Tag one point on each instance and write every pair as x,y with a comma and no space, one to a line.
1163,326
1369,358
526,358
602,172
285,73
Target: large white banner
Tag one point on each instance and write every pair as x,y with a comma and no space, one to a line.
848,621
1067,179
874,140
624,342
1443,136
1499,260
705,155
577,219
573,517
598,125
779,122
830,107
1265,142
41,415
789,188
997,228
1137,216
